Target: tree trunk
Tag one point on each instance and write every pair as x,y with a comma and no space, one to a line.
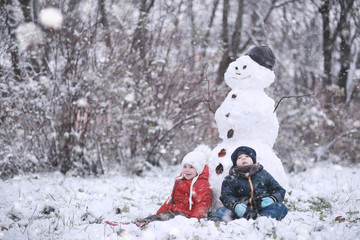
25,7
105,23
226,59
10,23
327,43
345,44
207,35
140,35
236,36
193,34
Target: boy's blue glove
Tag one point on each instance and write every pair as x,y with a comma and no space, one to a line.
266,201
240,209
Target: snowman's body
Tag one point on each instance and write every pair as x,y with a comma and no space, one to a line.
246,112
245,118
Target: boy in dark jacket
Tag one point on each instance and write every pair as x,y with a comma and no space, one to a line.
249,190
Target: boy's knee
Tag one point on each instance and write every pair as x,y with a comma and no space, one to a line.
276,210
223,213
281,210
282,206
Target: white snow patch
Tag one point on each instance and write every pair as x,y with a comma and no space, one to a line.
82,102
130,97
28,35
86,8
166,123
43,80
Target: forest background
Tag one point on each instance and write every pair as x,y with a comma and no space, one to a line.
136,83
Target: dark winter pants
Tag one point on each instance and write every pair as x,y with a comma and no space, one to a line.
275,210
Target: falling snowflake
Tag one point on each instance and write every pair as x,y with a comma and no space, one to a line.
51,18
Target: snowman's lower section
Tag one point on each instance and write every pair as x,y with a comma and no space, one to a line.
265,156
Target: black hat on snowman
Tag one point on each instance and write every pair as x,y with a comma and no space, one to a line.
243,150
263,56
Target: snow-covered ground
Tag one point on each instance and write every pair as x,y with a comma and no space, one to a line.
324,203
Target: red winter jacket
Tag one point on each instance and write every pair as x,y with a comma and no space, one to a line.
179,200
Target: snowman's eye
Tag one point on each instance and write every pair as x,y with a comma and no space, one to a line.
236,68
244,66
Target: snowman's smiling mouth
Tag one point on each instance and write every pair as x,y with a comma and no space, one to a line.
238,77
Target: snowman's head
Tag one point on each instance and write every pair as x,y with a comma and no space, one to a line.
245,73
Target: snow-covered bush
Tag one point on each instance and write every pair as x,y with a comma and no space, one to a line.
90,91
318,127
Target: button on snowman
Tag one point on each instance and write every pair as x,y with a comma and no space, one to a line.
246,118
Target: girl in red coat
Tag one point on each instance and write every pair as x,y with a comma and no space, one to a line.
191,194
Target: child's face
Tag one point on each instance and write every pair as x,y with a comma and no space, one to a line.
243,159
188,171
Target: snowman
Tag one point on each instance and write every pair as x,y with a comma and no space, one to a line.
246,118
